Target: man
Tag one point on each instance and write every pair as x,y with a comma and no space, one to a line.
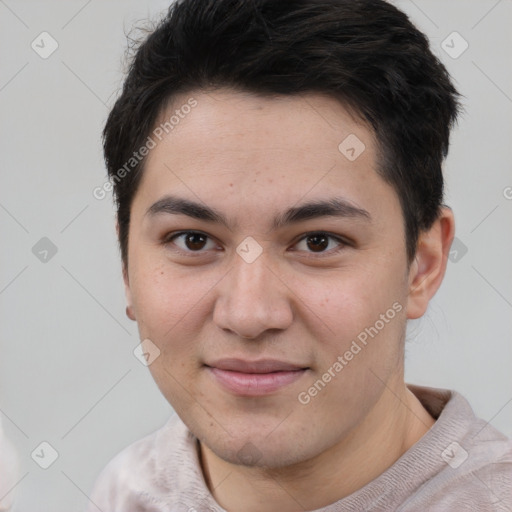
277,172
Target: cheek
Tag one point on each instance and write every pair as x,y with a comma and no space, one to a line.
156,299
352,297
361,347
160,297
170,311
171,306
364,306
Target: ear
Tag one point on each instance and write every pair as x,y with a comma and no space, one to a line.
127,290
429,265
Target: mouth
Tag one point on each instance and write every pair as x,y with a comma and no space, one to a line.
254,378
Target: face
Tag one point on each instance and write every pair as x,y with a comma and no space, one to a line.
267,264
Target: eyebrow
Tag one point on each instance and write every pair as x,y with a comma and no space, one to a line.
333,207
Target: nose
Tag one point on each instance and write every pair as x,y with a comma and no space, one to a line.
252,299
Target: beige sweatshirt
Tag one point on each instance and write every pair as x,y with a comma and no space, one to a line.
461,464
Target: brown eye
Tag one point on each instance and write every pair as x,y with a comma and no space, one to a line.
191,241
195,241
317,242
320,243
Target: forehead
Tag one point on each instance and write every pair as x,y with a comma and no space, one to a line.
262,151
240,121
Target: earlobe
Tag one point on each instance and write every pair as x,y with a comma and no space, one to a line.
129,313
128,294
129,308
429,265
127,291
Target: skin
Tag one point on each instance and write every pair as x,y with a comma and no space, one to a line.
252,158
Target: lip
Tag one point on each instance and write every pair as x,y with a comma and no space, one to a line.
254,378
259,366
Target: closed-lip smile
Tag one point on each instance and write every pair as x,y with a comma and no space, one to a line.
253,378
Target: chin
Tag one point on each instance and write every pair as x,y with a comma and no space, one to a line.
256,449
250,455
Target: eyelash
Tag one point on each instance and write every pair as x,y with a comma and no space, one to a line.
342,242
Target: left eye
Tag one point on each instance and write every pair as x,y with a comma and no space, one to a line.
192,241
319,243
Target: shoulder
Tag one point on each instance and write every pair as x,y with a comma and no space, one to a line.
474,469
481,473
478,483
139,474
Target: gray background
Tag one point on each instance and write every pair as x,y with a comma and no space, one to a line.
67,372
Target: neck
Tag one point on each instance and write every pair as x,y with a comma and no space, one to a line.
393,425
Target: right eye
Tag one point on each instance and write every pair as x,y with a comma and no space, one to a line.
190,241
